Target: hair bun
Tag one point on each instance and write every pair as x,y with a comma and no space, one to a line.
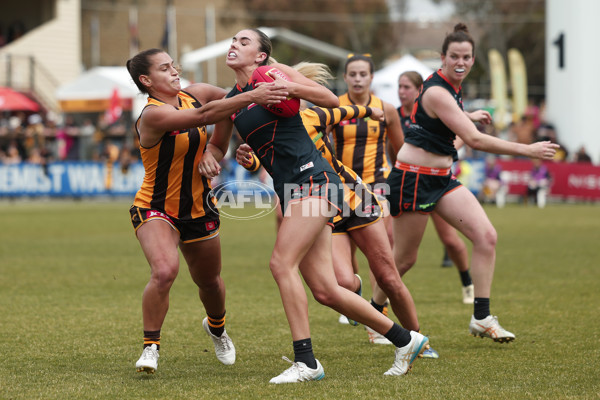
460,27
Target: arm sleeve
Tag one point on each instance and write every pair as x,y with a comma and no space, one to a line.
343,113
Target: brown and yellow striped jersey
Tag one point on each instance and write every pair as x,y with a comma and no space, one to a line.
316,120
360,143
172,183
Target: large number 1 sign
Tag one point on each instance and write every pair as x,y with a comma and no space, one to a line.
572,59
560,43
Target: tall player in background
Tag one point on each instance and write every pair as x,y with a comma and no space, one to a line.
422,181
173,208
410,84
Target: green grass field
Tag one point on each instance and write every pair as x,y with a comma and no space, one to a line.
72,275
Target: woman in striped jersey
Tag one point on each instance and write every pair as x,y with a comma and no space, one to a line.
174,207
367,146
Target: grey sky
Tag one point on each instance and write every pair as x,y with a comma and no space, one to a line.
423,10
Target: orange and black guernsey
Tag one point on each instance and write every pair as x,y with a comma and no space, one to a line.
315,121
172,183
360,143
281,144
404,119
429,133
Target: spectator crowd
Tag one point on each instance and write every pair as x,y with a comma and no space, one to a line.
37,139
40,139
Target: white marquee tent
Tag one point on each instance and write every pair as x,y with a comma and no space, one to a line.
192,61
385,80
97,84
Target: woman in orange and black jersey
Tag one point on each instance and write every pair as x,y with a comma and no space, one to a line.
409,86
174,208
422,181
361,219
306,185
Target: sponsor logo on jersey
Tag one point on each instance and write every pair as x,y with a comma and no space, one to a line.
347,122
306,166
154,214
175,133
157,214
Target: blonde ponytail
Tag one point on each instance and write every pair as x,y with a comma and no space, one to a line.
317,72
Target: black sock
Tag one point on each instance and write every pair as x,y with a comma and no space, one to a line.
303,352
399,336
378,307
465,278
216,325
446,257
481,307
152,337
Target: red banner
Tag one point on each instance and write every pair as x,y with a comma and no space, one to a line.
569,180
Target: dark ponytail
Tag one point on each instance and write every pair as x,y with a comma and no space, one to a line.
140,65
264,45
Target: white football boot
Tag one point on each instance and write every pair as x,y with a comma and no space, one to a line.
148,362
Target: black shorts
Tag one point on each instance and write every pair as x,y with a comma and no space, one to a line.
324,185
193,230
380,190
416,188
361,208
